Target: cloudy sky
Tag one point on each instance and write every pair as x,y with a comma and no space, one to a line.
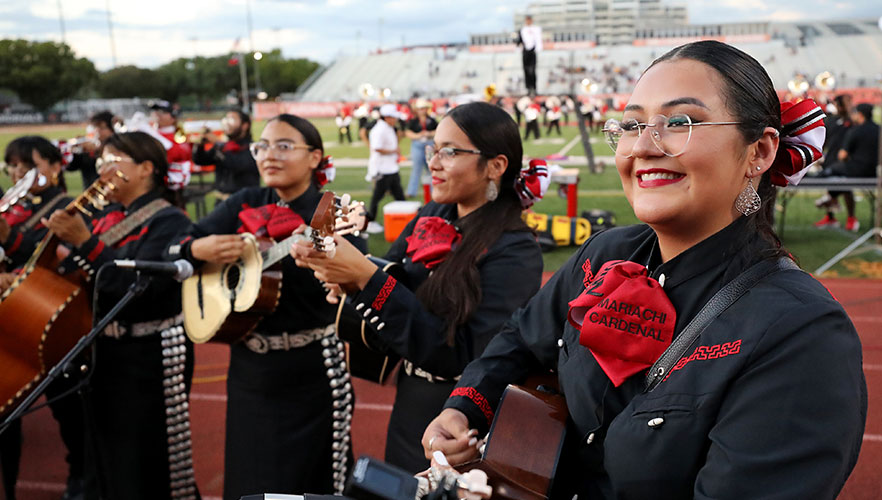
149,33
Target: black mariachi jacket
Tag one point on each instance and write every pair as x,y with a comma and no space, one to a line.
302,304
771,401
162,298
511,272
235,168
21,243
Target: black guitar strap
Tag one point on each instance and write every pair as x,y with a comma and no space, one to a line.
721,301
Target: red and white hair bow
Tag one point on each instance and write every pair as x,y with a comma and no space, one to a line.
532,182
802,138
325,172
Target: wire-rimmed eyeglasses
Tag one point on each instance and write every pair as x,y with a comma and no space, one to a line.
670,135
282,149
447,153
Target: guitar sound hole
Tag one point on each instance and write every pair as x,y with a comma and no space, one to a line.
233,275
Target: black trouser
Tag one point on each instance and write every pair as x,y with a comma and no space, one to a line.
344,133
553,124
532,126
386,182
10,455
529,59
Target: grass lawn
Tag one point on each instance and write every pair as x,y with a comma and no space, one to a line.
811,246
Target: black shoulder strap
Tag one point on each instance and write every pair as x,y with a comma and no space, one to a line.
721,301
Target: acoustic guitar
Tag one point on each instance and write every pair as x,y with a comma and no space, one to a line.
524,444
44,313
225,302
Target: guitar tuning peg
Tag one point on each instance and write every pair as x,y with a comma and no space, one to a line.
345,199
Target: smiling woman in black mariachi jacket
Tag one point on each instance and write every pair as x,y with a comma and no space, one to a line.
771,399
280,407
139,431
470,262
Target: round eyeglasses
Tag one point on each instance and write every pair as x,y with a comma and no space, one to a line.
670,134
282,149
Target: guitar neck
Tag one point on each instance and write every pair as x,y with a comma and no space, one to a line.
278,251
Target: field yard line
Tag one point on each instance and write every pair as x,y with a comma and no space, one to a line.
566,149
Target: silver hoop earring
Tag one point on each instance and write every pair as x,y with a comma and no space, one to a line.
748,201
492,191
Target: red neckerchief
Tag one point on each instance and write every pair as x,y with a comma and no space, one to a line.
231,147
111,219
269,220
624,317
432,239
17,214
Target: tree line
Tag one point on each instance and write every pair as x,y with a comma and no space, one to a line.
45,73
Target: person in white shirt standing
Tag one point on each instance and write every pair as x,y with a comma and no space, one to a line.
530,38
383,162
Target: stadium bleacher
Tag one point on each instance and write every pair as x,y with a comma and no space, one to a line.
850,50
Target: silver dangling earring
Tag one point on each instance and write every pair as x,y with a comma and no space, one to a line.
492,191
748,201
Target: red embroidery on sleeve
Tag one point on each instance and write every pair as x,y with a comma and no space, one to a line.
589,276
14,246
476,398
384,293
131,238
96,251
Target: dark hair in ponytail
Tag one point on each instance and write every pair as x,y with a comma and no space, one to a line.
750,96
310,135
143,147
453,291
24,149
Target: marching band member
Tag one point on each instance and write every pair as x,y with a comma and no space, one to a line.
770,391
553,116
343,120
282,415
234,166
84,158
531,119
470,261
164,118
139,424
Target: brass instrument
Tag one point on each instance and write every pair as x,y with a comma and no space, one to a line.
589,86
798,85
825,81
490,92
366,91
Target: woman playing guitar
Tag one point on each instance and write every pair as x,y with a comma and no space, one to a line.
21,230
139,428
287,398
470,261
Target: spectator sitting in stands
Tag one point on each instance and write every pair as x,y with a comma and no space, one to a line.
858,157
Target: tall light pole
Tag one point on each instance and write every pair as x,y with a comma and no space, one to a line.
251,48
110,30
61,22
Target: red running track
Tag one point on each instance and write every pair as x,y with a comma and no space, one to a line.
43,471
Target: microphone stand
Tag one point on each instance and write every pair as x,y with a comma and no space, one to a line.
134,290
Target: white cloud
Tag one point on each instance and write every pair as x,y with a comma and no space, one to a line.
784,15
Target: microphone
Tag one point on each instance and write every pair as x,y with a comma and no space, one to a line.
179,270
